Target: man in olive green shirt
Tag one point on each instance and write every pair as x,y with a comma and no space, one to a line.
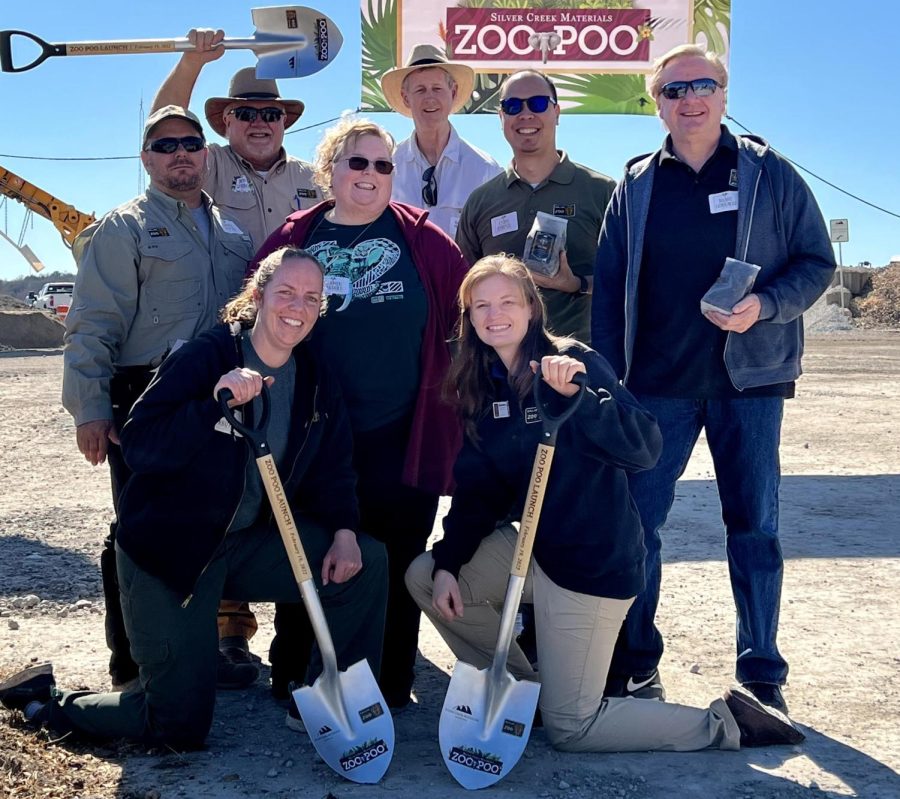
151,273
498,215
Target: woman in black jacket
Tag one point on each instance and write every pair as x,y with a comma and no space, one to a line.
196,526
588,551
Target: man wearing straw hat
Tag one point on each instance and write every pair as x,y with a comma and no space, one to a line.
252,178
257,184
435,168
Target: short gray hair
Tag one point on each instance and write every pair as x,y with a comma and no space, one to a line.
654,79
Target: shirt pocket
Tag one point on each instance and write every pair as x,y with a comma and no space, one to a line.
235,255
172,300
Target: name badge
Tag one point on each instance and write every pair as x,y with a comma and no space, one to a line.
724,201
337,285
501,410
506,223
454,224
229,227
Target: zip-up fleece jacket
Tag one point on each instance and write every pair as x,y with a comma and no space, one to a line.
189,476
779,228
589,537
436,434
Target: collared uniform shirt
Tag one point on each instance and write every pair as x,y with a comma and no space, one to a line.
146,279
460,169
498,217
259,204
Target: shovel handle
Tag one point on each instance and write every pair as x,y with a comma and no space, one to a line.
47,50
255,435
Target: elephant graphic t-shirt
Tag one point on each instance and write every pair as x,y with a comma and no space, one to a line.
371,335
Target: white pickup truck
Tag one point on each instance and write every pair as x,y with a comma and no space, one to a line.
54,297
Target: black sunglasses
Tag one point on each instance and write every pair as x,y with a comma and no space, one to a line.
246,113
537,104
429,190
169,144
677,89
357,163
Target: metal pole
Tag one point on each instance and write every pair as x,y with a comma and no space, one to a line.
841,272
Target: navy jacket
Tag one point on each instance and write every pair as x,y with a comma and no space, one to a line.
589,536
189,477
779,228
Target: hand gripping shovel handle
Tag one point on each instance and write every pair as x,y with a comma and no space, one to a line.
290,536
531,513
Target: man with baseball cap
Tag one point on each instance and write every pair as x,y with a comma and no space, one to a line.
435,168
151,273
252,178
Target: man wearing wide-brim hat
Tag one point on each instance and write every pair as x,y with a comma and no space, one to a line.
435,168
253,179
257,184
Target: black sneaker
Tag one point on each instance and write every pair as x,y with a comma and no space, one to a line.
760,725
231,676
769,694
29,685
648,687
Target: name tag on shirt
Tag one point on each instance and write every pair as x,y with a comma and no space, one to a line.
454,224
229,227
723,201
501,410
335,284
506,223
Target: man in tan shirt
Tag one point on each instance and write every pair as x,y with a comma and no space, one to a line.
252,178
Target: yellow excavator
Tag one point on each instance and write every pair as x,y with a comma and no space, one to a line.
67,219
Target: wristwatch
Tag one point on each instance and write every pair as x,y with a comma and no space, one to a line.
584,287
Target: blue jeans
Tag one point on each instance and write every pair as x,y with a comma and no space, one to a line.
743,437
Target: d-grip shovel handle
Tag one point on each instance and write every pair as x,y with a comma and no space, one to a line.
47,50
553,423
255,435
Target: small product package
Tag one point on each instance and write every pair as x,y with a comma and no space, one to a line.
733,284
545,242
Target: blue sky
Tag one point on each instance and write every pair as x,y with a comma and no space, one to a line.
817,79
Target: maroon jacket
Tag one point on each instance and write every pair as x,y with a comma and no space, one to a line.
436,435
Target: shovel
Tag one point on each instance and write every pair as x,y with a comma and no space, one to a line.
289,42
487,714
343,711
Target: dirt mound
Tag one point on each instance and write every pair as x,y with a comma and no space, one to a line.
8,303
880,306
24,329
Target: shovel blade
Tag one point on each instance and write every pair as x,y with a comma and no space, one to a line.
320,44
485,724
349,723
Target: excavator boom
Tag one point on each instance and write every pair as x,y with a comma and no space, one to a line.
67,219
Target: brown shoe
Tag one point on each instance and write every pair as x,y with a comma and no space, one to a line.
759,724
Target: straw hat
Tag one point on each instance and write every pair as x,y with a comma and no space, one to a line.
246,86
427,55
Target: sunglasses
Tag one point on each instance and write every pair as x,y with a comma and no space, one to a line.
537,104
170,144
246,113
429,190
357,163
677,89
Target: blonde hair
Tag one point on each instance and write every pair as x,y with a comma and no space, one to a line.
243,308
654,79
336,141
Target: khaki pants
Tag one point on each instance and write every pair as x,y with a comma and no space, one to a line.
576,634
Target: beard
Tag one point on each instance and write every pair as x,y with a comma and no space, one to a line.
182,182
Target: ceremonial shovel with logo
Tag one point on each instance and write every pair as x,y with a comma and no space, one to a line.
289,42
344,712
487,715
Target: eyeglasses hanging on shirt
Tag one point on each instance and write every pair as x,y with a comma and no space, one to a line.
429,190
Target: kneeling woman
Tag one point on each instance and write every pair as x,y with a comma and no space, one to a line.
588,551
196,526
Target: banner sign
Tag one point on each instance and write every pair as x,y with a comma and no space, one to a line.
597,56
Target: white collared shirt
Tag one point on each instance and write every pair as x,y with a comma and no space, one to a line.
460,169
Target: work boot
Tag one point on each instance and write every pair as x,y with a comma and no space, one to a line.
760,725
769,694
29,685
231,675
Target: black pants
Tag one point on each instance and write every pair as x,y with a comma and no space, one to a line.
401,518
124,389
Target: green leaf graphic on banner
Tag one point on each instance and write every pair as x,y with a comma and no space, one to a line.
604,94
379,36
712,18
